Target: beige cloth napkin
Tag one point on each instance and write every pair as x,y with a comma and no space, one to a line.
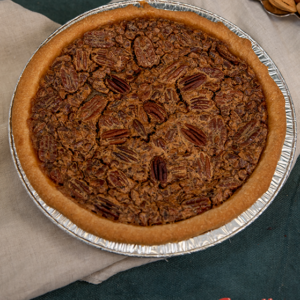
35,255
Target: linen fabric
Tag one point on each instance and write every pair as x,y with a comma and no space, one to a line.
35,255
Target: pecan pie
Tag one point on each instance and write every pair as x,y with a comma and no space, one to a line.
148,126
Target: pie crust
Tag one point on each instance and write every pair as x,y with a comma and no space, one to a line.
257,184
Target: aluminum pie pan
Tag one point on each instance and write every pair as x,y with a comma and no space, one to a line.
210,238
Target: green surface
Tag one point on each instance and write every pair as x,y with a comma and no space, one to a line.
260,262
61,11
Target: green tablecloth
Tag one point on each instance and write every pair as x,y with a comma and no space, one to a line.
260,262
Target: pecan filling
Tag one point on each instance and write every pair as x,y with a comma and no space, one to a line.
148,122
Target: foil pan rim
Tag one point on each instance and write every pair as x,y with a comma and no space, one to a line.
210,238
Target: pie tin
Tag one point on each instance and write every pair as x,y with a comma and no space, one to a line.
210,238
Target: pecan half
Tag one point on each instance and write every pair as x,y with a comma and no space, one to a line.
117,179
52,102
56,176
224,52
81,60
252,138
213,72
108,120
247,133
192,82
114,58
38,129
179,172
218,131
145,91
102,59
211,86
47,149
139,127
107,210
200,204
118,85
174,72
92,109
194,135
159,170
160,143
66,135
80,96
69,78
171,134
99,39
223,101
170,99
200,103
115,136
126,155
156,111
108,207
95,168
230,183
79,189
145,52
184,39
100,86
204,166
171,96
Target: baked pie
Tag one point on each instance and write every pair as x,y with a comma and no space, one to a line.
148,126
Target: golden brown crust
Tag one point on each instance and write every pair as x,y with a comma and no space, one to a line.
256,185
